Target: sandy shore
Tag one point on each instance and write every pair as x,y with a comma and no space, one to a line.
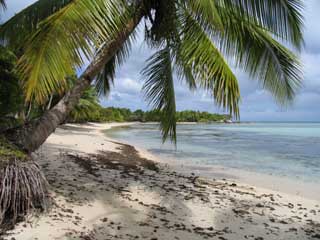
107,190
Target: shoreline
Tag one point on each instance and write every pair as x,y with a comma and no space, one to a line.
103,189
287,185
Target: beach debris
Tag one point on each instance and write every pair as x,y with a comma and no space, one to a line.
160,202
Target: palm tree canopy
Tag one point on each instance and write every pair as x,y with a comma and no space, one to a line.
192,38
27,21
87,107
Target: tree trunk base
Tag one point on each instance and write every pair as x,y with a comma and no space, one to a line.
23,187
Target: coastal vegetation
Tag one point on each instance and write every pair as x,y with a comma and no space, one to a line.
193,40
112,114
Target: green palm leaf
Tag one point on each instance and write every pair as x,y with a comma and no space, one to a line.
106,77
183,68
209,67
159,90
205,11
259,54
87,106
282,18
64,41
21,26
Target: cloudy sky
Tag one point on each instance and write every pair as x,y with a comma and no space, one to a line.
256,103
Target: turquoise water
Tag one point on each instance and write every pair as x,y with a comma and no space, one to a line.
284,149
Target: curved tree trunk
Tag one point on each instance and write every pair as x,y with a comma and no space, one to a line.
32,135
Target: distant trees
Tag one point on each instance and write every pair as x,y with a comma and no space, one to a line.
112,114
196,116
87,108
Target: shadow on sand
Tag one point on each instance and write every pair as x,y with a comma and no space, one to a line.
142,201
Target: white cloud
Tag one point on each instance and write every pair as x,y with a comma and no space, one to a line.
128,86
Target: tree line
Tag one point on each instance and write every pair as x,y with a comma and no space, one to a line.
14,111
113,114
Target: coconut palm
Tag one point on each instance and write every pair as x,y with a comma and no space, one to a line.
87,108
192,38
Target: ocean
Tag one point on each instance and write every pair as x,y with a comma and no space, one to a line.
290,150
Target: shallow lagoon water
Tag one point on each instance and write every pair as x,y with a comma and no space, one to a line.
289,150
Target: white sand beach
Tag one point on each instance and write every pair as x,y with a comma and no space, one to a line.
102,189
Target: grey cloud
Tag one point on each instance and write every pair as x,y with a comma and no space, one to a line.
312,21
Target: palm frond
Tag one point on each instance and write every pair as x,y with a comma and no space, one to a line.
87,106
105,78
20,27
3,4
159,90
183,68
264,58
83,110
283,18
210,69
205,11
64,41
162,23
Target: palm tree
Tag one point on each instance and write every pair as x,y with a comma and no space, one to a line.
87,108
192,38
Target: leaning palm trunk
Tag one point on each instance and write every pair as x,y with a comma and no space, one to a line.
22,186
32,135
